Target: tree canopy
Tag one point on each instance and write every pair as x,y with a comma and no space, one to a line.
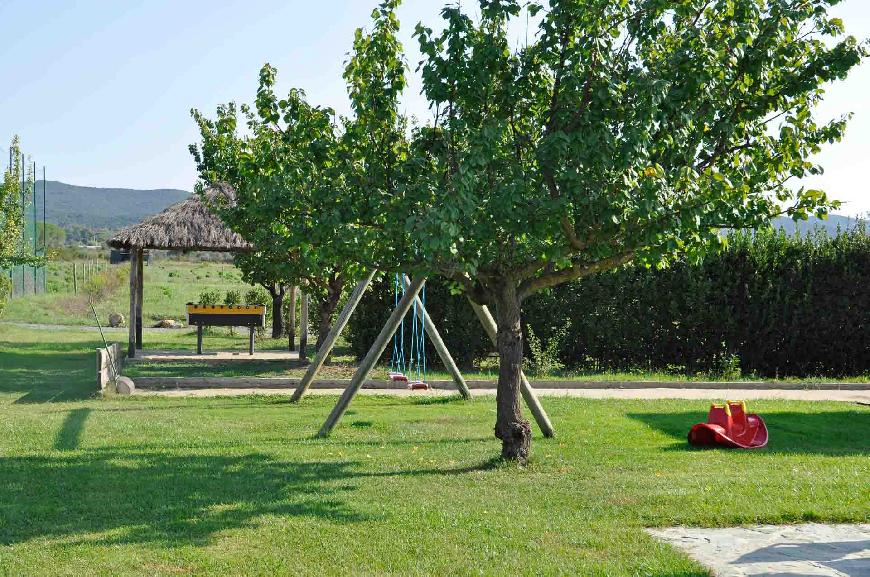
631,130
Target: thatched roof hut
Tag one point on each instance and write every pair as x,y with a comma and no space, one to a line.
186,225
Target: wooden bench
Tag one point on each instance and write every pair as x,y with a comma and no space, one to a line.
251,316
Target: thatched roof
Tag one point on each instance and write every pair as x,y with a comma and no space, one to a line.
186,225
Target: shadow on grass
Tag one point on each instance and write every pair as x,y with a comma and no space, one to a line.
154,497
48,372
68,436
173,500
844,432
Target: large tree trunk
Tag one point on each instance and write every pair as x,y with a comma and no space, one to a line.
510,426
291,320
277,293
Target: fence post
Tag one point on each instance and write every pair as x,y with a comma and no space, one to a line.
75,277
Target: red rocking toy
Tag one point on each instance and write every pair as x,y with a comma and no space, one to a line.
729,425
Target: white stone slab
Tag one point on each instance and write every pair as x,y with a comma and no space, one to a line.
776,550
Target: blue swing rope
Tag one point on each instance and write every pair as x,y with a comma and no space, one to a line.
397,363
418,339
416,363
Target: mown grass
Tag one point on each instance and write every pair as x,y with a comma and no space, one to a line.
239,486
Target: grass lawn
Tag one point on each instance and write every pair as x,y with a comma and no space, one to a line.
238,486
167,287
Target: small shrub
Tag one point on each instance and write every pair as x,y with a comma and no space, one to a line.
209,297
257,296
233,297
725,365
545,357
103,284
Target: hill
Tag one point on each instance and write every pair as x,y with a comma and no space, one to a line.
830,225
103,208
88,214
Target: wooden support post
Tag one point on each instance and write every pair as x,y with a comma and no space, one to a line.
491,328
199,339
75,278
303,328
131,321
371,358
140,283
334,333
440,347
251,340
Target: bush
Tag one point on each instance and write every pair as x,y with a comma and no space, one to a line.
104,284
209,297
544,357
258,296
233,297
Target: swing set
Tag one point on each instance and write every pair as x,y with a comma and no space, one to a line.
400,365
415,364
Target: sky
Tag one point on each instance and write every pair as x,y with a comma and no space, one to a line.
100,92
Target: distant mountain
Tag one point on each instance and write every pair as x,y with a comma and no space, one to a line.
86,207
830,225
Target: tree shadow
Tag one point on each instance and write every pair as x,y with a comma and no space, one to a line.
67,438
836,555
64,373
141,497
136,497
841,432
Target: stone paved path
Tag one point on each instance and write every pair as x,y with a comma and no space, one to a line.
776,550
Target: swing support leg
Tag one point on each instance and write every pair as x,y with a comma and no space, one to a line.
371,358
332,337
440,347
526,389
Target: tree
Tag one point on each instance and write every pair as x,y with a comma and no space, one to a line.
50,235
629,131
277,171
13,199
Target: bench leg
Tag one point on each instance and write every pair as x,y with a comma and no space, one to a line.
199,339
251,341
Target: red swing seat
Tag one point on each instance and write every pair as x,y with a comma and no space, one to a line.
418,386
729,425
398,378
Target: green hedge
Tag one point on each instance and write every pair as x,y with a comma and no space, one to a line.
780,305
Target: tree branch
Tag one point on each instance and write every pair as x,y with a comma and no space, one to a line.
579,270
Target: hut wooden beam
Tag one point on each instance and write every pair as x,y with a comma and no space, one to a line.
140,283
131,320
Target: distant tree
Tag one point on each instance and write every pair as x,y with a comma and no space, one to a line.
628,131
277,171
50,235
